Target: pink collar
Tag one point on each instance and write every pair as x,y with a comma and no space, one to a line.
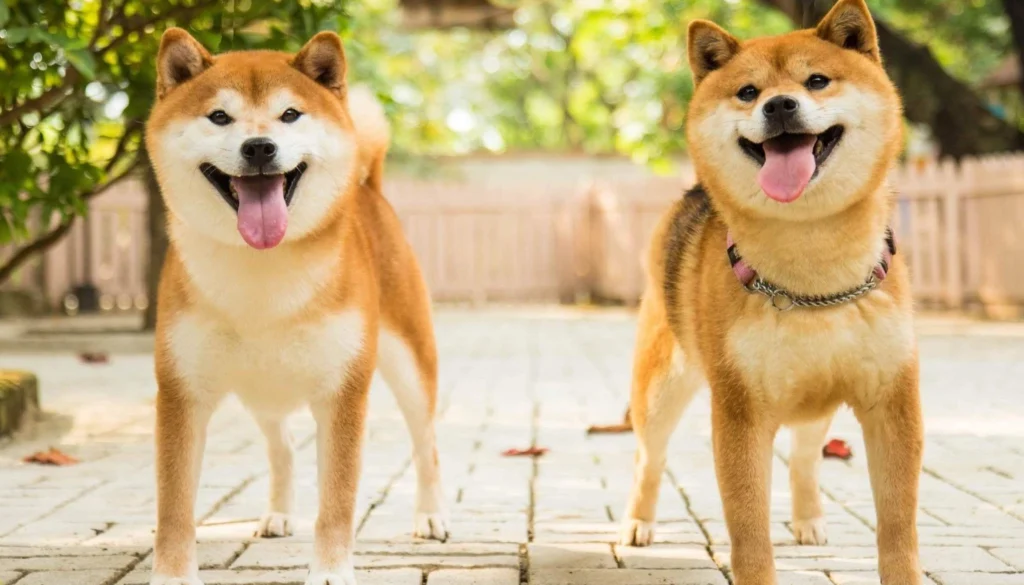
752,282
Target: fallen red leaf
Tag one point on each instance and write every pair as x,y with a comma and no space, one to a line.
626,426
837,449
51,457
93,357
530,452
610,429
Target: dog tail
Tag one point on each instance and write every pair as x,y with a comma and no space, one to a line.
373,134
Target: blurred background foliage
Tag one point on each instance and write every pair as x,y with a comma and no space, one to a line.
587,76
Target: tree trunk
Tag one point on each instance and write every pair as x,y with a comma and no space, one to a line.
1015,13
959,119
157,216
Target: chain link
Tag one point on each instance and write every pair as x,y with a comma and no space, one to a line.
788,301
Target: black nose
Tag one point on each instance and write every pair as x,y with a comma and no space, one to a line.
259,151
780,108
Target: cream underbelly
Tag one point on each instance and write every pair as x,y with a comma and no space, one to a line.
273,368
806,359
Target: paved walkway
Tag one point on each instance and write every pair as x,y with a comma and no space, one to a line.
510,379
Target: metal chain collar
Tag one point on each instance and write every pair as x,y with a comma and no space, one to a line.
784,301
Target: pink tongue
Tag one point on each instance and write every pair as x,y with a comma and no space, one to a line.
262,213
788,166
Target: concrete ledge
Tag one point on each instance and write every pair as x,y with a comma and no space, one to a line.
19,394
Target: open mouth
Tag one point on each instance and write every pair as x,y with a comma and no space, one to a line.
790,161
227,188
260,202
823,146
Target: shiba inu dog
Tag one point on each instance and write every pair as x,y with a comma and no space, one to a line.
287,282
775,282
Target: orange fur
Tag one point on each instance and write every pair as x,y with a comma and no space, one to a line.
768,368
308,315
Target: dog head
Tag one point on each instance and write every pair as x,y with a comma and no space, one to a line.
798,126
255,147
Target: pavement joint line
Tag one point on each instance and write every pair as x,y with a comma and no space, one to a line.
121,574
524,564
963,489
231,494
828,494
58,507
703,529
618,557
237,555
382,496
925,512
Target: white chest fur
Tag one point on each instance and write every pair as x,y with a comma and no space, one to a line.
854,348
247,286
240,335
270,369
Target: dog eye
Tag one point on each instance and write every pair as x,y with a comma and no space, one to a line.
747,93
817,81
290,115
220,118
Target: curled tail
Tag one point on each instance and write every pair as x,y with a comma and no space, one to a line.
373,134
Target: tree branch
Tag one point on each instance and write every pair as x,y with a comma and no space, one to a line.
138,25
56,94
47,240
47,99
101,23
1015,13
131,128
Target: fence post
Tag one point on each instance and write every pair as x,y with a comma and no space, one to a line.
954,178
582,212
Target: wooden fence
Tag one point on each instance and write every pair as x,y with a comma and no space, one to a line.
959,226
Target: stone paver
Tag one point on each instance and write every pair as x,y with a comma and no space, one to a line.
571,556
510,378
474,577
287,577
631,576
85,577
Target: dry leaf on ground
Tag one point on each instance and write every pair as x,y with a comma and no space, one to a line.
51,457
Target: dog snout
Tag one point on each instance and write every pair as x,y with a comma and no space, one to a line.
259,152
780,109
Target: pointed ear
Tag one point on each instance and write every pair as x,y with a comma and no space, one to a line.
322,59
709,47
849,25
180,58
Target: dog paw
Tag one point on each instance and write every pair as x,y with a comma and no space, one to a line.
273,525
165,580
636,533
433,526
811,531
343,576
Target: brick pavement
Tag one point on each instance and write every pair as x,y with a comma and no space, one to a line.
510,379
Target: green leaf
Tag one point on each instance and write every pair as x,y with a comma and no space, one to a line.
17,35
5,13
84,62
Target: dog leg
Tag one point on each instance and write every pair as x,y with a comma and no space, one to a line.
894,438
742,443
410,370
181,422
340,419
277,521
804,464
661,391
